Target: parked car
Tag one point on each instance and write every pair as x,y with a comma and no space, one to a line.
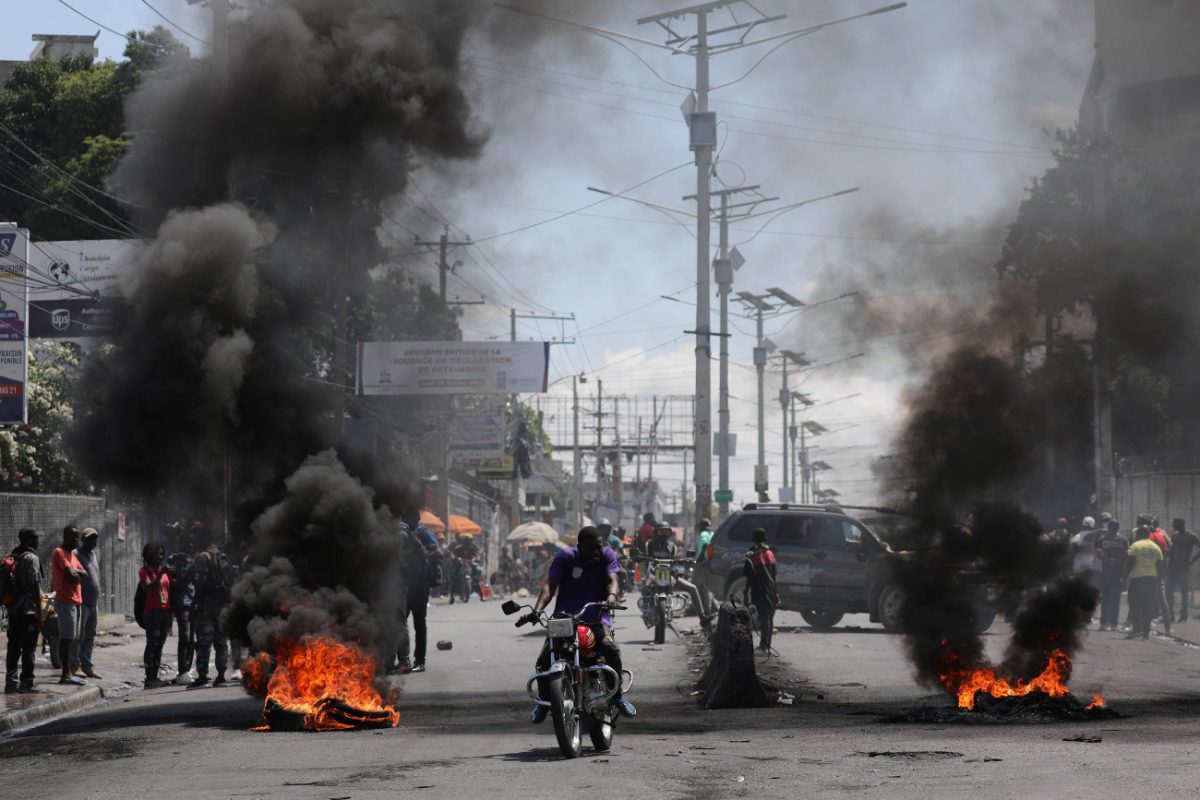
829,564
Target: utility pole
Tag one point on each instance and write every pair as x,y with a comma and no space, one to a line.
220,38
784,398
444,244
702,125
577,487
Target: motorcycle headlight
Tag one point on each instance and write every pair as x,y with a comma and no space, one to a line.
561,628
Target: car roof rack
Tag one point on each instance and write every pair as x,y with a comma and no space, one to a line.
830,508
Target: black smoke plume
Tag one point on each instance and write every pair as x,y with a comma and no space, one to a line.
259,192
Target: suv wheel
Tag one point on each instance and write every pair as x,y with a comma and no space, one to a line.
890,599
737,587
822,619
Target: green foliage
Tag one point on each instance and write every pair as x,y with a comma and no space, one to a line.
33,457
69,118
1109,232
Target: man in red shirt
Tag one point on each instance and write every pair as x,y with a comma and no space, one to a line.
66,576
646,532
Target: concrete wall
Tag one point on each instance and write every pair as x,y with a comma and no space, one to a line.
49,513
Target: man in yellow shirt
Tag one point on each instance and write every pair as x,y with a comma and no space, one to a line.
1145,570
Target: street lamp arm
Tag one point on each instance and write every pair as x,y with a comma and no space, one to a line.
613,37
796,34
591,28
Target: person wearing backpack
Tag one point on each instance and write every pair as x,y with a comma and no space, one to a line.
20,585
760,572
211,571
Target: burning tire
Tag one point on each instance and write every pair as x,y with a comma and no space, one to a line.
822,619
891,599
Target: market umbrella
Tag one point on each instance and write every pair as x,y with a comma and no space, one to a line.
460,524
533,532
431,521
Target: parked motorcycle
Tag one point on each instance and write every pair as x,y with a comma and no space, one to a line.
581,687
659,602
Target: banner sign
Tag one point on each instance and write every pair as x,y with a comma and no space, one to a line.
14,313
425,368
475,438
63,310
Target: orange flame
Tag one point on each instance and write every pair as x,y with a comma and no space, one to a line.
964,682
314,669
1097,702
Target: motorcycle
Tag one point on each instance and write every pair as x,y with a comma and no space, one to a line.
581,687
659,602
467,577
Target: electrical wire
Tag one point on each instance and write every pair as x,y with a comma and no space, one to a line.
174,25
129,39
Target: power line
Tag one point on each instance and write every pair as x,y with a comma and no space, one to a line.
790,112
127,38
174,25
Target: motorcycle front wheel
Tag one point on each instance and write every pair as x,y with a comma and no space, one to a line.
660,623
562,711
601,733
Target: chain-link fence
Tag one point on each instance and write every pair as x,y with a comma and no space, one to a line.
122,536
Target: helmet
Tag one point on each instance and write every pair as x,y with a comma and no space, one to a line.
604,523
468,536
662,527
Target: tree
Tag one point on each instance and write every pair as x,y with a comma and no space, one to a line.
33,457
1108,233
64,132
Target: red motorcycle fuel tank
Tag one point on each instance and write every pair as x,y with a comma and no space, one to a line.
587,640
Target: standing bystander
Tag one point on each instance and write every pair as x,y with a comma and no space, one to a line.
1110,552
66,576
89,557
1179,567
154,585
211,594
1145,571
759,571
23,602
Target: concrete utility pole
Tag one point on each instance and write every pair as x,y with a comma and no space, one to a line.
785,397
577,488
702,125
444,244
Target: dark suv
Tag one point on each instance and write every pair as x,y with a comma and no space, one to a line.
830,563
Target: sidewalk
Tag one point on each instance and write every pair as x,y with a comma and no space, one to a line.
117,656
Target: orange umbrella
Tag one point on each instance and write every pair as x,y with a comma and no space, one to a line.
459,524
431,521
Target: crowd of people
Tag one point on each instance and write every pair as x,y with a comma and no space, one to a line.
1153,567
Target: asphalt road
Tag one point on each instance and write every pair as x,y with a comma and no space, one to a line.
464,731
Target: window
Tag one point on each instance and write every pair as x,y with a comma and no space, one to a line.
852,533
792,531
743,529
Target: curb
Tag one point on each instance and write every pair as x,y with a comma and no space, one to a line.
43,712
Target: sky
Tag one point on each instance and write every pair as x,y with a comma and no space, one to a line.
940,114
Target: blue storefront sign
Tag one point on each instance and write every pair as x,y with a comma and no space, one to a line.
14,313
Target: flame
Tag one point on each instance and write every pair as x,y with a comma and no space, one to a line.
963,682
1097,702
310,675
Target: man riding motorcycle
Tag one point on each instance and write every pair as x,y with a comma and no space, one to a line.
580,575
464,554
661,546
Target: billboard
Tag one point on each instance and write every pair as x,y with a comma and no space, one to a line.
427,368
475,438
14,313
62,310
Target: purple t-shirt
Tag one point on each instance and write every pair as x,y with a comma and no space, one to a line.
580,583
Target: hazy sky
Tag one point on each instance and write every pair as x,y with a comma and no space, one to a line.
938,112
